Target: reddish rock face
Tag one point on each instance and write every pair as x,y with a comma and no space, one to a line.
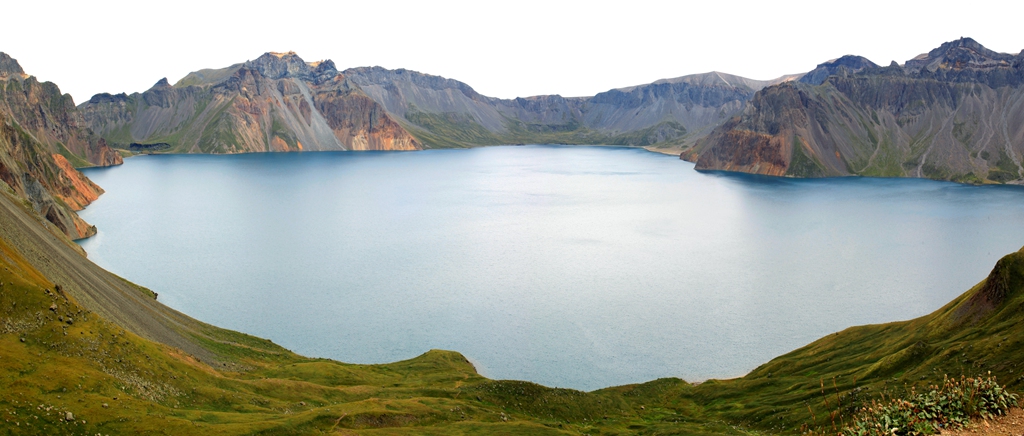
39,127
277,102
361,123
47,181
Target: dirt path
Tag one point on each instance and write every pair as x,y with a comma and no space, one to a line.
1011,424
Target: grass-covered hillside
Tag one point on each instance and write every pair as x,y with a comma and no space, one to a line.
980,332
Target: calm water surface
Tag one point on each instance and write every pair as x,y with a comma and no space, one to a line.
578,267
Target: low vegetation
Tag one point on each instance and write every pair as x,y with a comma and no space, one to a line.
951,405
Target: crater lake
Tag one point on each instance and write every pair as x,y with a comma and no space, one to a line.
580,267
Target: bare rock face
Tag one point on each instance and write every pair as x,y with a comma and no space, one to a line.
9,66
277,102
42,139
955,113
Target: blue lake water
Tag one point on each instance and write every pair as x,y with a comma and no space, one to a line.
580,267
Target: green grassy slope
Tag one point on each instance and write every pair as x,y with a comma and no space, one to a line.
977,333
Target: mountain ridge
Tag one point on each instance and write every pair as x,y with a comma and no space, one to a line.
664,113
953,113
276,102
421,110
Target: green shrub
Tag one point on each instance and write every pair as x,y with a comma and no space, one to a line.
950,406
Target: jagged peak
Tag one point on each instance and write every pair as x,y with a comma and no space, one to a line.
162,83
276,65
959,54
10,66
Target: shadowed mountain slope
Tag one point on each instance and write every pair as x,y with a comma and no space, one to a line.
954,113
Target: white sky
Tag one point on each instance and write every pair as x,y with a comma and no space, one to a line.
502,49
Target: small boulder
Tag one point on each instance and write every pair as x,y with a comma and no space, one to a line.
53,307
68,416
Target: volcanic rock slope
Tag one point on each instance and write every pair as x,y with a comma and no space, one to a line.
954,113
448,113
42,140
277,102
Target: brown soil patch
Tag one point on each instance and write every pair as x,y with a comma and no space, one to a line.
1010,424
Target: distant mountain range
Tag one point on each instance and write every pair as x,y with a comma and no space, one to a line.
448,113
279,102
954,113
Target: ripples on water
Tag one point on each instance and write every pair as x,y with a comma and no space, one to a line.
578,267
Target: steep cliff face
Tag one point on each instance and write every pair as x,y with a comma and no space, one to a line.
51,117
445,112
277,102
41,142
955,113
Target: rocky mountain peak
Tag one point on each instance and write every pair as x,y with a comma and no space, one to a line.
162,83
843,66
280,65
274,65
109,98
9,66
961,54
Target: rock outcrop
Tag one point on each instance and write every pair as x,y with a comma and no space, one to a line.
277,102
954,113
42,140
